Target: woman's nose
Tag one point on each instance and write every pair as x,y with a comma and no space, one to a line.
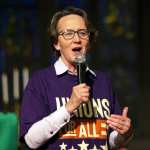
76,37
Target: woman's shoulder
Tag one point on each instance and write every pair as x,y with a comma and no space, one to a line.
43,73
102,74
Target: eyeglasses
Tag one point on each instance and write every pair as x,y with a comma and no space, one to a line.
69,34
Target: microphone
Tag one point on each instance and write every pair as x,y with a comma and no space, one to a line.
81,68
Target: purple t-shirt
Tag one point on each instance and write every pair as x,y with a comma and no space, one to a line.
46,92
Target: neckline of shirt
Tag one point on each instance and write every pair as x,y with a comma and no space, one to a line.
61,68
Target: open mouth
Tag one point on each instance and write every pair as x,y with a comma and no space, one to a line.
76,49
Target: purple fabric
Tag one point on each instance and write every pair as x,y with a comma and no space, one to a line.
39,100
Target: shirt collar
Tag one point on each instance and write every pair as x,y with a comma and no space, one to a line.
61,68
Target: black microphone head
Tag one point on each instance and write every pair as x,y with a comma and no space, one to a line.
81,68
80,59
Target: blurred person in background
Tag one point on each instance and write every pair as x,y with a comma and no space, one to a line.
58,112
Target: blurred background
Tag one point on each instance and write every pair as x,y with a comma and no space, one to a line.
122,50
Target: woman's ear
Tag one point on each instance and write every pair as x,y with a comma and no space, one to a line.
57,46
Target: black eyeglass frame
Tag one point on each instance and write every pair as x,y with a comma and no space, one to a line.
79,33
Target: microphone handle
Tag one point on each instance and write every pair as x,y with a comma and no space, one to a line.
81,72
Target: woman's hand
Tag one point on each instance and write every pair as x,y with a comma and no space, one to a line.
120,123
80,94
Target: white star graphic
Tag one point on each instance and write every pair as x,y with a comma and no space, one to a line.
104,147
72,148
63,146
83,146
